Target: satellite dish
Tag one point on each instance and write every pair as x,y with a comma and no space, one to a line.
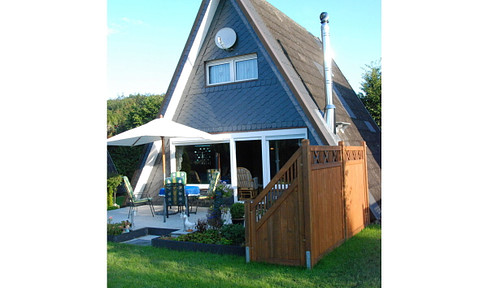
225,38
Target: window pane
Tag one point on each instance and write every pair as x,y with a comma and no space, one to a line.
196,159
280,152
219,73
247,69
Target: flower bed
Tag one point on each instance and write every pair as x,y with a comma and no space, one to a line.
200,247
139,233
210,235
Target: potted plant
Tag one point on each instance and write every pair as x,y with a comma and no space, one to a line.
214,215
237,213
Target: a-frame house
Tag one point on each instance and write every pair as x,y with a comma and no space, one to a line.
255,78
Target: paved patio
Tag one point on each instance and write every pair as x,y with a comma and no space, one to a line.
143,217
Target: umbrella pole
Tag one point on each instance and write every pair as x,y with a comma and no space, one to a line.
163,158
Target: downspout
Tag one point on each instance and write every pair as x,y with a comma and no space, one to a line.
329,108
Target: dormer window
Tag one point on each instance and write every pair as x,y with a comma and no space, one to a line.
231,70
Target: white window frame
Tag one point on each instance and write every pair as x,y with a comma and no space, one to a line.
264,136
232,62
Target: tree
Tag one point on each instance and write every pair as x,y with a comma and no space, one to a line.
125,113
371,87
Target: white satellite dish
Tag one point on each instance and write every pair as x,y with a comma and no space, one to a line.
225,38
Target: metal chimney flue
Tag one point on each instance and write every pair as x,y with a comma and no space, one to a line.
329,108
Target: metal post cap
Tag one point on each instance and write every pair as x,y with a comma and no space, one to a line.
324,17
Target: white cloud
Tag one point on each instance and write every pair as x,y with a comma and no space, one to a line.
114,28
111,31
132,21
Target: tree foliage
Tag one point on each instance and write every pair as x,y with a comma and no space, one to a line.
371,87
125,113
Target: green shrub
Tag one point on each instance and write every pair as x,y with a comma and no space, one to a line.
208,237
234,232
120,200
237,210
227,235
117,228
112,184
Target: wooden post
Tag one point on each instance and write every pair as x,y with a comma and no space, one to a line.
305,206
163,154
343,192
249,231
163,158
366,184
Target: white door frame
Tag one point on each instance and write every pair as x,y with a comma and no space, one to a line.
231,138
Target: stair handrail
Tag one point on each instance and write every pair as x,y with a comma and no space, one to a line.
287,175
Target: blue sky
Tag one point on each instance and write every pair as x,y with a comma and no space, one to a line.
145,38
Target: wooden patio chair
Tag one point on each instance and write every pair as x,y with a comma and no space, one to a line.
246,186
133,202
174,190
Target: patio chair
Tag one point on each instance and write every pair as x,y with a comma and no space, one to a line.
133,202
181,174
213,179
191,204
174,194
247,188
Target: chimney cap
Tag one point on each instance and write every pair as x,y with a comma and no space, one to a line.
324,17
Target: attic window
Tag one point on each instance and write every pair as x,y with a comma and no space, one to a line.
344,103
231,70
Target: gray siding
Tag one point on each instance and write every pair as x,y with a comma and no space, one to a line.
245,106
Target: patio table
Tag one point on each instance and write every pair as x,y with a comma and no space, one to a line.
190,191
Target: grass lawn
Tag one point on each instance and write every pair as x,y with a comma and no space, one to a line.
357,263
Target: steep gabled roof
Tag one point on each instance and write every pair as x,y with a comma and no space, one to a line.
298,56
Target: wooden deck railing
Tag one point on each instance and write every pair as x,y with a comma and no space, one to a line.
316,201
286,178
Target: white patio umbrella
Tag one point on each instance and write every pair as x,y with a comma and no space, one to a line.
156,130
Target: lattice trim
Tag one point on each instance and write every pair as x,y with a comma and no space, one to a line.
325,157
352,155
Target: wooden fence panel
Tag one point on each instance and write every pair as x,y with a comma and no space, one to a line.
327,211
277,240
355,190
316,201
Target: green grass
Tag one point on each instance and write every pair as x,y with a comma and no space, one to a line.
357,263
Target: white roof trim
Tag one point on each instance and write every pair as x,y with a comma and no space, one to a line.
191,59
